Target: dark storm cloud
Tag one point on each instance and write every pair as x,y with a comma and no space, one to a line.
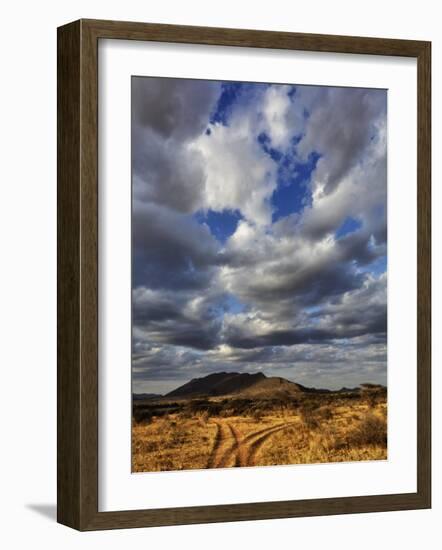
165,173
170,249
174,108
306,279
178,318
166,115
309,286
349,327
341,126
360,248
162,363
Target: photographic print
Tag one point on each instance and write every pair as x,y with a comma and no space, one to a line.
259,274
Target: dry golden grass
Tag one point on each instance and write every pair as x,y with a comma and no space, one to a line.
353,433
313,431
172,443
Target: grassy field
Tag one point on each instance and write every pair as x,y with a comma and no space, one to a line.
223,433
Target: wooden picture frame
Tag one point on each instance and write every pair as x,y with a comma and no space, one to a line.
78,274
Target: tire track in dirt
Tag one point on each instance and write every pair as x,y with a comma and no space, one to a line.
256,445
216,445
251,436
241,449
242,446
224,437
232,449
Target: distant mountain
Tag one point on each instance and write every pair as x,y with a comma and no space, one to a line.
140,396
239,385
373,387
245,385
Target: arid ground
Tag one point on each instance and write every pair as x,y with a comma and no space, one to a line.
229,431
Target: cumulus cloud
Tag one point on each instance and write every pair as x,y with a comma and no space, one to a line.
174,108
282,117
302,295
178,318
167,114
239,174
341,125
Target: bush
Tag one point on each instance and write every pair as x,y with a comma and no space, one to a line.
308,412
373,394
142,417
325,413
371,431
309,418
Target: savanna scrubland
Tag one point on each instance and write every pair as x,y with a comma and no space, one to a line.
223,432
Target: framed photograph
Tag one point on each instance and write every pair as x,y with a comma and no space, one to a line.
243,275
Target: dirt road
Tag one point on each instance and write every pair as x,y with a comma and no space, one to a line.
232,448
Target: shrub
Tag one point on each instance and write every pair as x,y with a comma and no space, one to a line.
150,446
142,417
309,418
308,412
372,394
372,430
325,413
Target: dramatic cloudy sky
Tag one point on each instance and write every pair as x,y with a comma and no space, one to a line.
259,232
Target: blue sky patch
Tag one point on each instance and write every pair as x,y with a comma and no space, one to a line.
230,93
265,142
233,305
292,193
292,92
376,268
379,266
221,224
350,225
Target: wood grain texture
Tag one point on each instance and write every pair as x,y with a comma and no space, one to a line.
89,276
78,274
68,276
424,275
252,38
